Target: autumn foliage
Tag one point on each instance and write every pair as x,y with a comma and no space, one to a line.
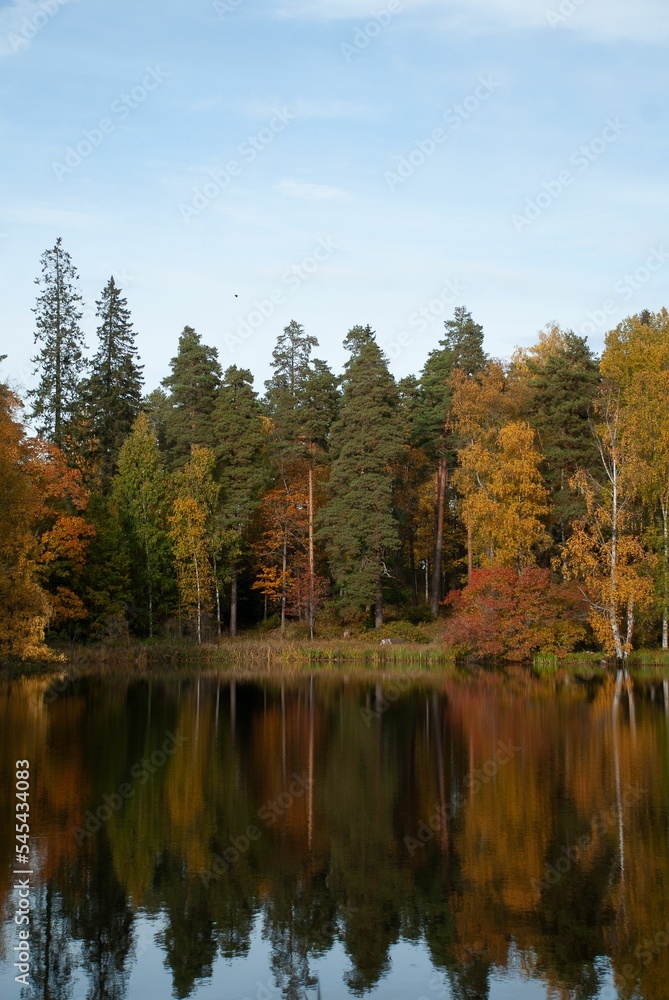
513,616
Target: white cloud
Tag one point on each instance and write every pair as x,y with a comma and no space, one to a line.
37,214
601,20
310,192
21,21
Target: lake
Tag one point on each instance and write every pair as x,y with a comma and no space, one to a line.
402,837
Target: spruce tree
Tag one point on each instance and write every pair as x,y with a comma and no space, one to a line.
60,363
359,525
192,386
113,389
564,382
241,466
460,349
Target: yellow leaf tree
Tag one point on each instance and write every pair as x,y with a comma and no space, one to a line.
504,499
636,361
605,553
193,534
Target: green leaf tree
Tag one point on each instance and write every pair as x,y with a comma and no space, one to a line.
140,490
194,536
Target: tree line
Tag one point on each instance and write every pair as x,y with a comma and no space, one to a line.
530,496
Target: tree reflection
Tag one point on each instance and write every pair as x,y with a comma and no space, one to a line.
403,826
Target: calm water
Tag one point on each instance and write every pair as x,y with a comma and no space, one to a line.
197,837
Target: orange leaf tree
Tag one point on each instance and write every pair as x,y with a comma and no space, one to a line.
514,615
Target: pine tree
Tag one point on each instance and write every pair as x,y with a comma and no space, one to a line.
359,525
193,385
318,412
291,369
563,379
113,389
60,363
301,400
461,349
241,466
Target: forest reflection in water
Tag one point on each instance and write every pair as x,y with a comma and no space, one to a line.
197,835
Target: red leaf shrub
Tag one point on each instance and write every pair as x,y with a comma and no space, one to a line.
505,614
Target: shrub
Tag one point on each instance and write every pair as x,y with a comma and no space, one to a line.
420,615
505,614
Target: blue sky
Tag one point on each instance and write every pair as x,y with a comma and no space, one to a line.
544,196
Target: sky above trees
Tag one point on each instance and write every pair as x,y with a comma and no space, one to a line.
237,163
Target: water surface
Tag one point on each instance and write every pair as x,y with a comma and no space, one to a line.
201,836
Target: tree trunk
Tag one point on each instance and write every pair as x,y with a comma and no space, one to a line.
470,553
412,564
284,565
311,552
218,599
150,589
621,652
665,577
233,602
199,602
442,477
378,609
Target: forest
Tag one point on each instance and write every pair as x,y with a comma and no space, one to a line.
523,503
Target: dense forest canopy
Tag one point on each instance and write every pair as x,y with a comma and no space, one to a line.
526,500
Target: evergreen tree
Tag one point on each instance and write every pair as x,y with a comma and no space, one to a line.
105,585
563,381
302,400
241,468
113,389
291,369
193,385
359,525
460,349
60,363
